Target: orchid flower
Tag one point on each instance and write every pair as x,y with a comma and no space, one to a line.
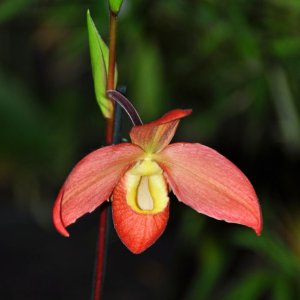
138,176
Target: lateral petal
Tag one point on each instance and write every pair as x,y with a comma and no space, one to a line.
209,183
154,136
91,182
138,231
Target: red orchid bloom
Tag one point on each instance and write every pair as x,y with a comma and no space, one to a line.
137,178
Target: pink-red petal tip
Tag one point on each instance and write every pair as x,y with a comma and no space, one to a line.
56,216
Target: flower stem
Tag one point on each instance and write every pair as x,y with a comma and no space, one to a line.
100,260
100,253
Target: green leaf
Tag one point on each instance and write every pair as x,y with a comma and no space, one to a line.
282,287
251,286
286,46
272,248
115,5
99,59
10,8
148,86
213,261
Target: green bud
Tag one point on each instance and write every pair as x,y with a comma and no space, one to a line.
115,5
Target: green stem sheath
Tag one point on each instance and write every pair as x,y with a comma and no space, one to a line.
111,72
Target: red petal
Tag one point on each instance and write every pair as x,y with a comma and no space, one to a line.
138,231
91,182
154,136
208,182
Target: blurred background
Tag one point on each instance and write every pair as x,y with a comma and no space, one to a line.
235,62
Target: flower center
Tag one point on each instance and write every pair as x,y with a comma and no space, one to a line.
146,188
144,198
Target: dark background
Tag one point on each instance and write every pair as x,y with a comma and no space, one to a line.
235,62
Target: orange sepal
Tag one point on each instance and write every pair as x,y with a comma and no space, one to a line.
138,231
155,136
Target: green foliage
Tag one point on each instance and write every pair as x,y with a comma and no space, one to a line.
99,60
251,286
10,8
213,261
148,93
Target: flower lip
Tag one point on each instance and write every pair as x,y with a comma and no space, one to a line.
138,230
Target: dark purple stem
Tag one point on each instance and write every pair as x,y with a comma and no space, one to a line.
126,105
